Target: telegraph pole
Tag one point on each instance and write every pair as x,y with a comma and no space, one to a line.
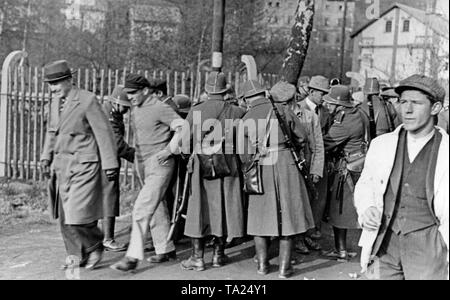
218,32
343,38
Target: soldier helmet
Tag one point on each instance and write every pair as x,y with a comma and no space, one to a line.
425,84
319,83
339,95
371,86
251,88
182,102
57,70
216,83
119,96
283,92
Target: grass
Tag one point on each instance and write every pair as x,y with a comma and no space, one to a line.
25,202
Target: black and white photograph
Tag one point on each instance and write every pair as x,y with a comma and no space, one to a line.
224,146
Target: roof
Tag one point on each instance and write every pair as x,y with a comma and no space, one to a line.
437,23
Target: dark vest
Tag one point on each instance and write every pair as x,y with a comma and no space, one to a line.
410,193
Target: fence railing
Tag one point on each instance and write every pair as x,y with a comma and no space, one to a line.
28,105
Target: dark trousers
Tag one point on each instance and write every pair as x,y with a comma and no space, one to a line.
80,240
420,255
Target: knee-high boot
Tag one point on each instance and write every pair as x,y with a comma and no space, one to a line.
261,245
286,269
219,257
196,261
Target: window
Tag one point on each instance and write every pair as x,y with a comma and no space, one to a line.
406,26
326,22
325,37
270,4
278,4
388,26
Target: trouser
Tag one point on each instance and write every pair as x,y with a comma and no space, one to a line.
420,255
319,202
80,240
150,208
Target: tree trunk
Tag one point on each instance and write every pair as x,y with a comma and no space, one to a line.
298,46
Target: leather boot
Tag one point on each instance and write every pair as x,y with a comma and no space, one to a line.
261,245
286,269
219,257
195,262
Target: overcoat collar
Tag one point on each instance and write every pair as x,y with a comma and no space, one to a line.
72,102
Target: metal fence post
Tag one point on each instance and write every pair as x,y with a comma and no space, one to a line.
11,60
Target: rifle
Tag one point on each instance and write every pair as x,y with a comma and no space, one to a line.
181,200
373,125
299,161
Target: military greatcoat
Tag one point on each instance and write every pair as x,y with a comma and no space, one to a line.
346,136
215,207
284,208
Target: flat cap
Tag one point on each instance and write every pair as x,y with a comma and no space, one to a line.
283,91
134,82
422,83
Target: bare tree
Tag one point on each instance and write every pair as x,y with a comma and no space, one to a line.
299,43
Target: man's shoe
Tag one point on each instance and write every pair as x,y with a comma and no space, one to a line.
113,246
340,256
312,245
301,248
160,258
94,259
125,264
317,235
195,264
66,265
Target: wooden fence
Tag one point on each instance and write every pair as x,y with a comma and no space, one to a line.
28,105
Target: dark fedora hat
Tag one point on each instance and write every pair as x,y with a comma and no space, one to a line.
57,70
339,95
119,96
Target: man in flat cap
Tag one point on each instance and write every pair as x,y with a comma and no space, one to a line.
115,108
79,146
154,124
402,195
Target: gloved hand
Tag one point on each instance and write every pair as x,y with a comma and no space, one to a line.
45,167
112,174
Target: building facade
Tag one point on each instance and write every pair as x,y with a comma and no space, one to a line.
403,41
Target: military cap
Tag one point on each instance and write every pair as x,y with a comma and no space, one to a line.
319,83
134,82
158,84
422,83
182,102
389,93
371,86
251,88
339,95
119,96
57,70
216,83
283,92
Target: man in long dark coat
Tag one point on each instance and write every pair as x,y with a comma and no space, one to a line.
79,146
115,108
215,207
345,142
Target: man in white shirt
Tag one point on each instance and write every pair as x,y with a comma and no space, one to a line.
402,195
